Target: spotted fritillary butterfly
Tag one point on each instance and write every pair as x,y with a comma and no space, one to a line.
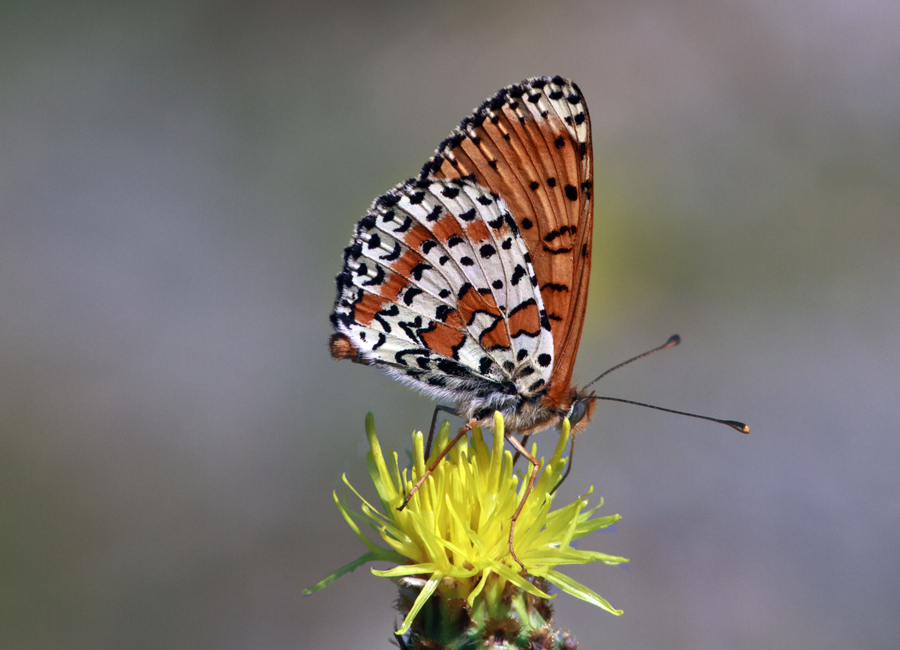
469,282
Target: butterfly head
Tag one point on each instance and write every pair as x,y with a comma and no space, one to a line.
581,410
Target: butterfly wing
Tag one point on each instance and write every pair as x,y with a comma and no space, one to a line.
470,282
531,144
437,290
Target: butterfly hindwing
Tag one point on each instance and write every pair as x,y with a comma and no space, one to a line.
437,290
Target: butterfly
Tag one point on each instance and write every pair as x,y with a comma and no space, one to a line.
469,282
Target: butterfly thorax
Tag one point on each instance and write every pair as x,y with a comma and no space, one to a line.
531,414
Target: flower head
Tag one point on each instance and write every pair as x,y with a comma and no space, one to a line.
453,537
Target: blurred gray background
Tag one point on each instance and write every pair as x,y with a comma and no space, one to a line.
177,182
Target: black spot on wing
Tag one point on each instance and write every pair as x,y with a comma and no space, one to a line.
392,311
453,368
518,273
545,322
393,255
409,294
378,279
433,166
400,356
405,226
352,251
412,329
419,269
388,200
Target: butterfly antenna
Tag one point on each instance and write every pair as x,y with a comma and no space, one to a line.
734,424
671,343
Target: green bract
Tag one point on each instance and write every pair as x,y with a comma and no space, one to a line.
452,538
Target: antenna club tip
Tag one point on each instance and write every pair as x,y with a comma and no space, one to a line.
673,340
737,426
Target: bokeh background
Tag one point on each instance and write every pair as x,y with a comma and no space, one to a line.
177,182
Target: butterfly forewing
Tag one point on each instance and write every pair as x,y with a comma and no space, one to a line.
531,144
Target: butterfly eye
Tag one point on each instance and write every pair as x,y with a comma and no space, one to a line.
577,413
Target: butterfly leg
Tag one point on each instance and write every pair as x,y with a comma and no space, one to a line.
436,462
531,479
568,465
439,407
518,453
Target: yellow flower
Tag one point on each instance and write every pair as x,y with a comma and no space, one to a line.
453,537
